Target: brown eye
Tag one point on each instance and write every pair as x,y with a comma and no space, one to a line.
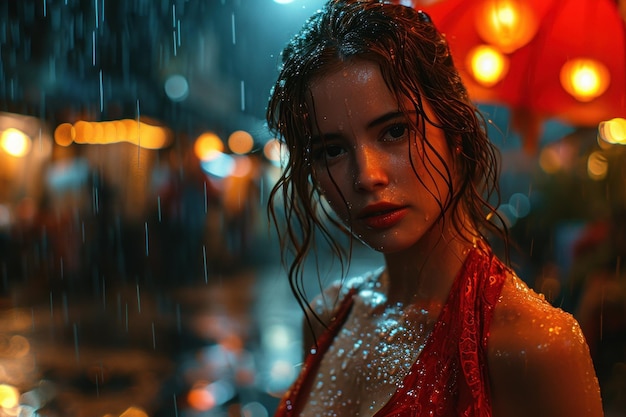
328,152
396,132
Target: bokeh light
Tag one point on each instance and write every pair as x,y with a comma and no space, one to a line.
520,204
488,65
275,152
200,398
240,142
15,142
208,146
220,165
597,166
613,131
9,396
507,24
585,79
176,87
138,132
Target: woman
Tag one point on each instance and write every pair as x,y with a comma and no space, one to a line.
380,129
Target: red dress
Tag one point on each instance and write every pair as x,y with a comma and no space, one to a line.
456,386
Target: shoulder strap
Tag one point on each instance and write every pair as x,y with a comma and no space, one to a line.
287,406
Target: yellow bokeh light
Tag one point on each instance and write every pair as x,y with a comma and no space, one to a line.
151,136
82,131
15,142
550,160
64,134
240,142
488,65
145,135
97,132
597,166
9,396
506,24
613,131
585,79
208,146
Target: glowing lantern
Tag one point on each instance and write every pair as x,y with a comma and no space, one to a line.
487,65
506,24
585,79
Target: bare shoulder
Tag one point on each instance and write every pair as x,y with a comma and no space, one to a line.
539,361
324,307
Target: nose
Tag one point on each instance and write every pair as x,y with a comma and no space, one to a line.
370,169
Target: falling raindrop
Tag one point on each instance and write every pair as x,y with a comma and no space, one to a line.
175,406
146,238
95,9
76,350
204,262
101,94
243,96
138,300
232,25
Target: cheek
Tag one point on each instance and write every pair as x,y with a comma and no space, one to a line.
330,189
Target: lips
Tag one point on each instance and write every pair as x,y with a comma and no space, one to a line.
382,215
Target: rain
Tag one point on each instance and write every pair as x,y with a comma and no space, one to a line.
139,274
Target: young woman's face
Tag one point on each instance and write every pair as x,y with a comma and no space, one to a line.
364,152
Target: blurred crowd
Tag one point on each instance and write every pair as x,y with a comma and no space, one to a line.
143,282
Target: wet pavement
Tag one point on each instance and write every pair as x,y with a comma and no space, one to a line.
226,344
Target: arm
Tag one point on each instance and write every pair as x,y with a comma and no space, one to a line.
539,362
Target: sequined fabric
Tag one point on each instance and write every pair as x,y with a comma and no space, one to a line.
450,377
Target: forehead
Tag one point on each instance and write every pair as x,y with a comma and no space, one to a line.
356,88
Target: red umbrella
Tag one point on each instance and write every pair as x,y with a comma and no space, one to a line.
566,29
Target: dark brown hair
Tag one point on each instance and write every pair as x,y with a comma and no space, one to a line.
415,62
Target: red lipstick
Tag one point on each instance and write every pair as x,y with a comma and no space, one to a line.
382,215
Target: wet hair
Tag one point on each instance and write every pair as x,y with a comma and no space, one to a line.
415,62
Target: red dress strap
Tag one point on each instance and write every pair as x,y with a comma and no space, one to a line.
450,376
287,406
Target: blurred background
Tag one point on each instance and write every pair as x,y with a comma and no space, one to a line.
139,274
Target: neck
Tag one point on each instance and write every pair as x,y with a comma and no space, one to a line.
424,273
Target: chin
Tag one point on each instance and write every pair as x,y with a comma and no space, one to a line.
387,246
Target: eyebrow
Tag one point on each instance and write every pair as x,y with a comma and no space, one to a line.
385,118
392,115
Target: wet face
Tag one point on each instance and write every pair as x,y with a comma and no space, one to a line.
366,152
